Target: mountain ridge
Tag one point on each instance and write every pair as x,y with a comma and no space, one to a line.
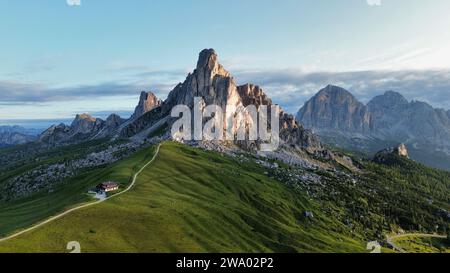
388,118
214,85
15,135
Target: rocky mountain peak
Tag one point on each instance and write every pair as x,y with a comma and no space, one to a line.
392,95
335,94
147,102
55,133
209,80
85,124
215,85
335,91
388,100
83,117
334,107
386,118
114,120
208,63
207,58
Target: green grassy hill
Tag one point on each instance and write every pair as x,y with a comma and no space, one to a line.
22,213
187,200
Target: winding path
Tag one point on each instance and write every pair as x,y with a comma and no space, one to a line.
401,250
133,182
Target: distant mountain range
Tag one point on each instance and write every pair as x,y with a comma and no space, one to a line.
341,120
14,135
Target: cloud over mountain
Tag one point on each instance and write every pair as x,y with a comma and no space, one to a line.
289,87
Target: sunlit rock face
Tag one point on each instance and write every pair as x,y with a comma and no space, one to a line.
211,84
335,108
215,85
147,102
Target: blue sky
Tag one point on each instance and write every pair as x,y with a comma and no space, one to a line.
57,60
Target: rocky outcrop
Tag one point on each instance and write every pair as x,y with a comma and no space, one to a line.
142,123
147,102
253,95
55,134
114,121
110,127
390,154
86,124
401,150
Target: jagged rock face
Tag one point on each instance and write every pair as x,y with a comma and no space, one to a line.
385,155
55,134
389,116
86,124
392,119
335,108
209,81
147,102
401,150
396,118
114,121
215,85
387,110
388,101
291,132
142,123
253,94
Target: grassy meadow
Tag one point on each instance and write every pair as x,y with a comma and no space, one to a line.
25,212
187,200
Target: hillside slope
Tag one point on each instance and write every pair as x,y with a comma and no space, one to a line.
19,214
189,200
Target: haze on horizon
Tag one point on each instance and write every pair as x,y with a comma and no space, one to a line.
58,60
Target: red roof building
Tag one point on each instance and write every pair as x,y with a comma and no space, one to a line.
108,186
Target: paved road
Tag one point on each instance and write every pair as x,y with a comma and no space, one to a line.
86,205
401,250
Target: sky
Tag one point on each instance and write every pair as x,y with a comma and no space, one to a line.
57,60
